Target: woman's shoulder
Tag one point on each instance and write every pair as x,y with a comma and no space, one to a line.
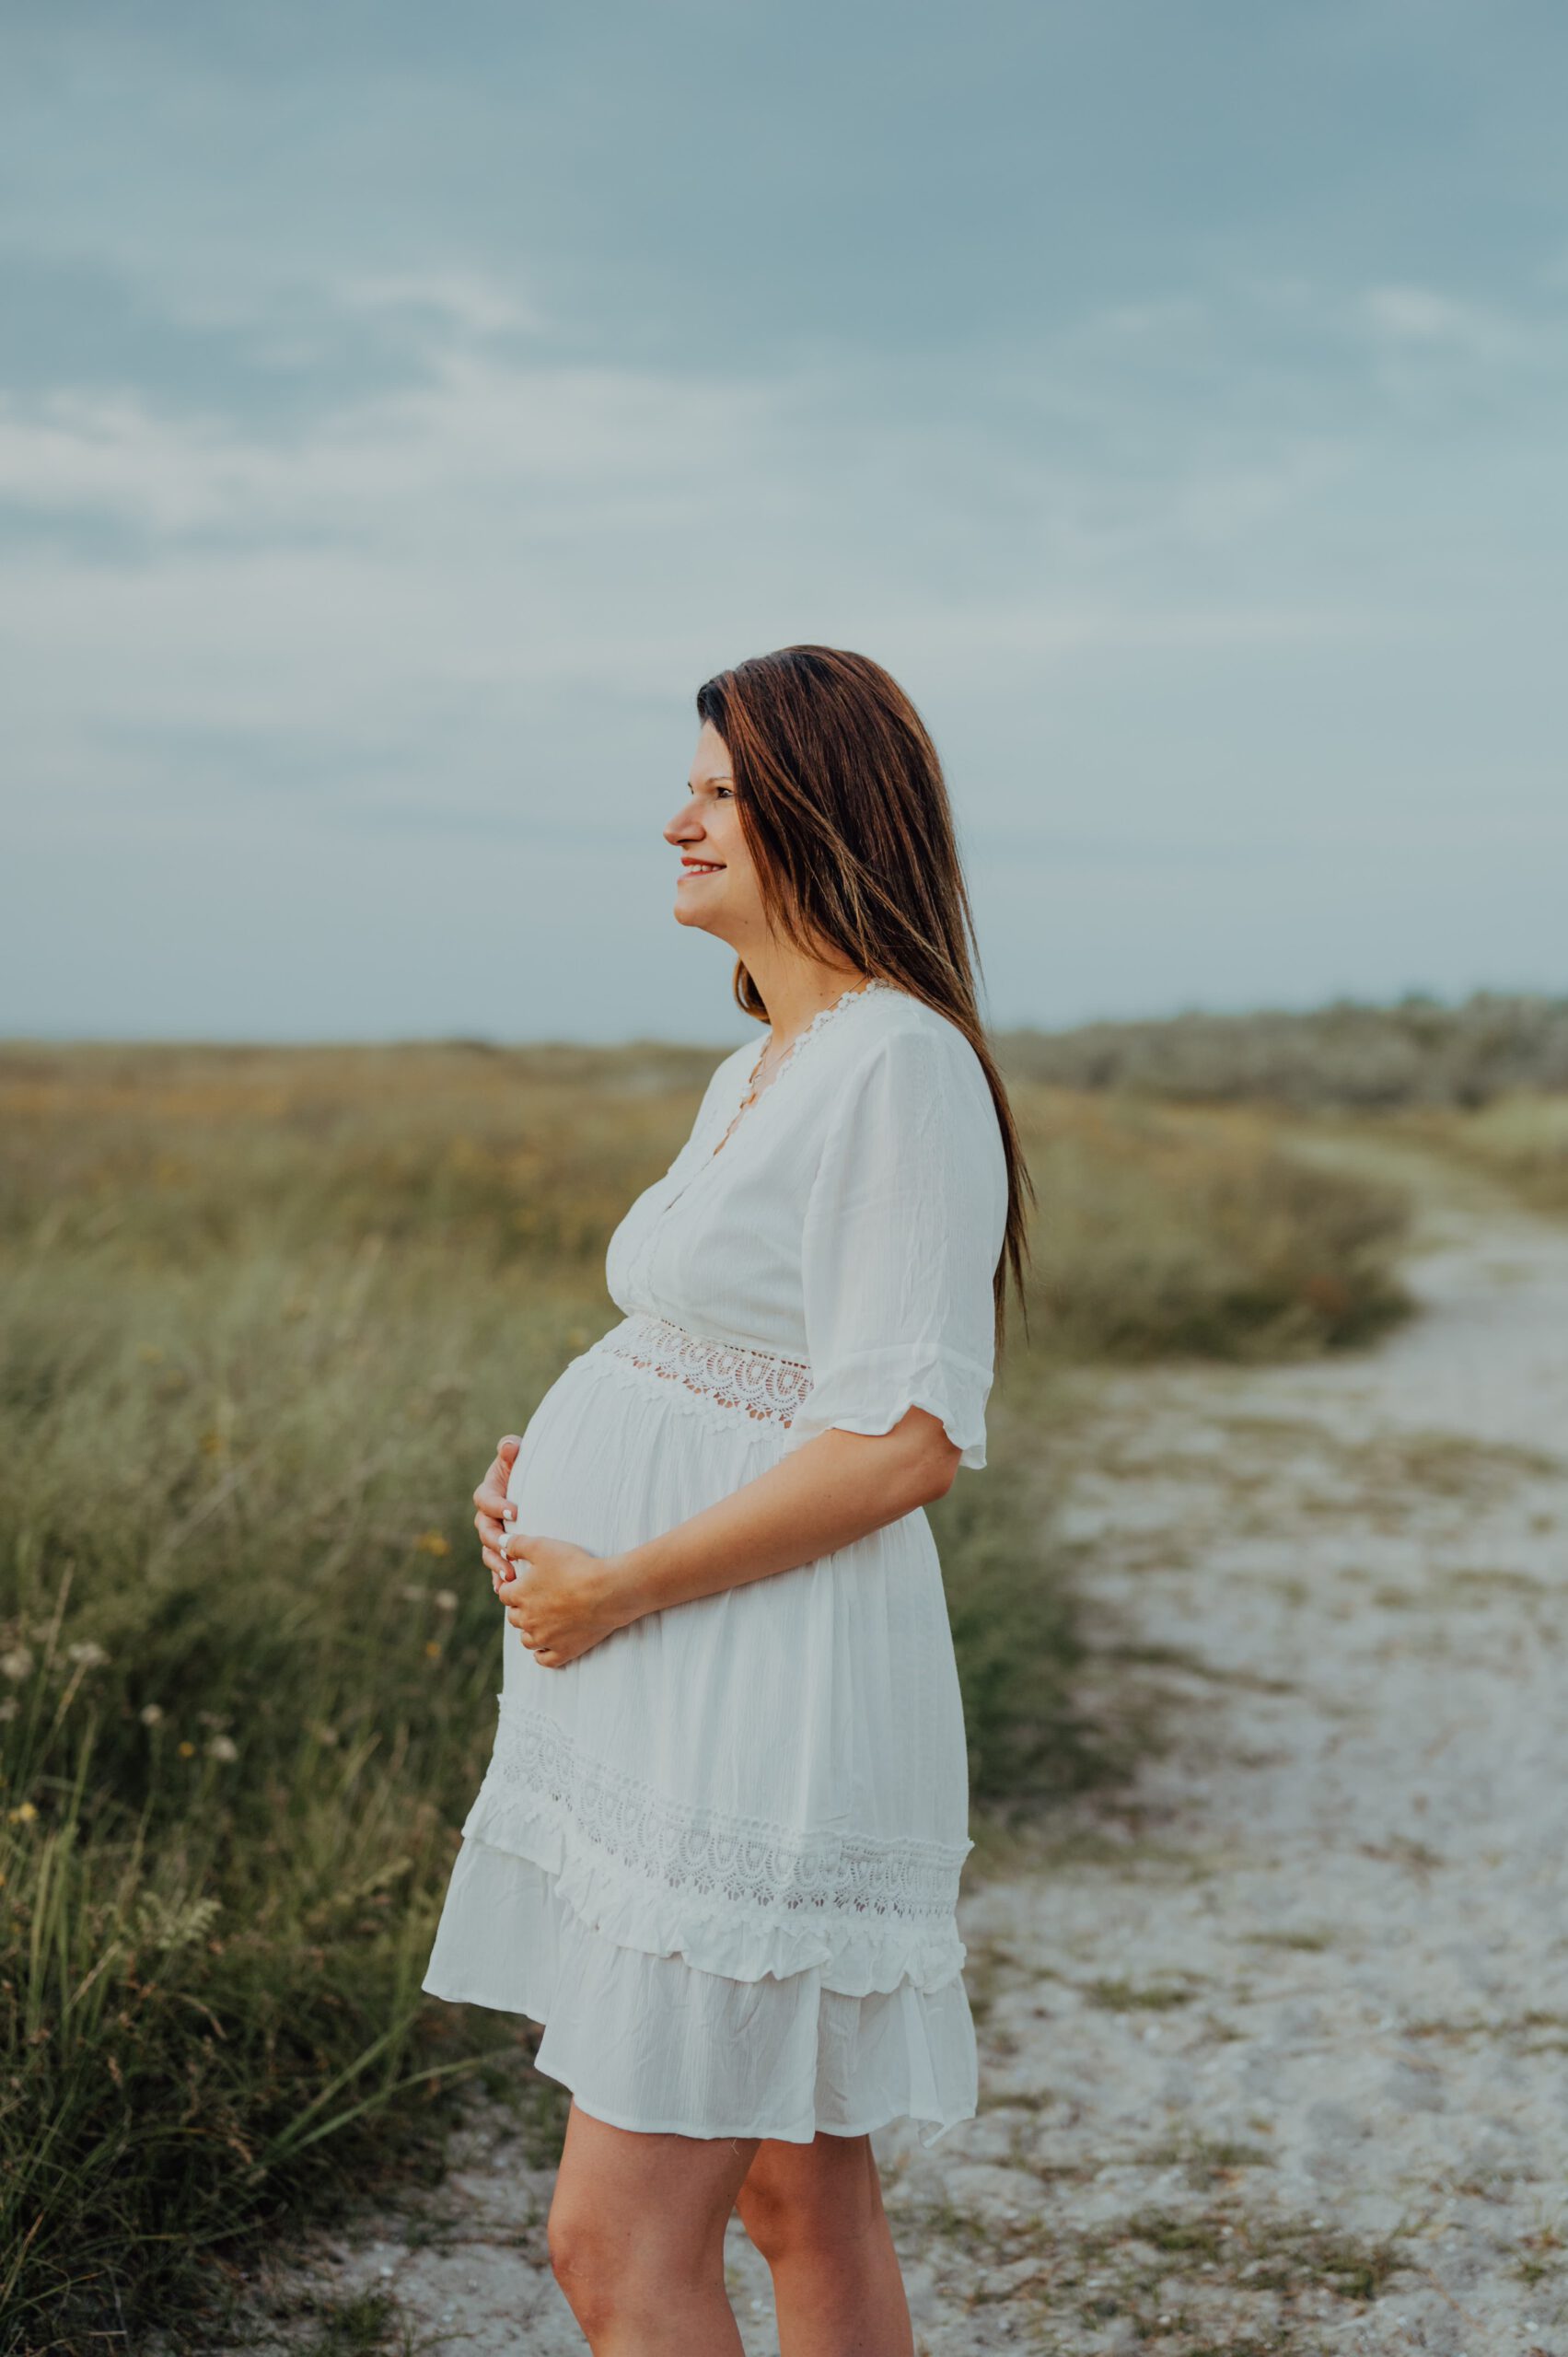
913,1036
906,1088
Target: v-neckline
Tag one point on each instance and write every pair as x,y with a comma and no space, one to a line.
709,1159
749,1102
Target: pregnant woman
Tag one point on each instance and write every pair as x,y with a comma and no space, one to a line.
716,1850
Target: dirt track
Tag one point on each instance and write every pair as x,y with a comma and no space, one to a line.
1272,2047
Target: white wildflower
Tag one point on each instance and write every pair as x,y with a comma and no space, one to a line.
15,1665
152,1715
174,1922
87,1654
223,1746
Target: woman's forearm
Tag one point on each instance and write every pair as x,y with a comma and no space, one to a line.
834,1489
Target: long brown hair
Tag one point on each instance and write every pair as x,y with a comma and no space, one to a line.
845,812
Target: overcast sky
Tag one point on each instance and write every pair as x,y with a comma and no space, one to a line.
404,408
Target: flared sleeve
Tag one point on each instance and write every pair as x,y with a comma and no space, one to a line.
904,1229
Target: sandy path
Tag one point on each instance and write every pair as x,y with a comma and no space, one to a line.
1274,2045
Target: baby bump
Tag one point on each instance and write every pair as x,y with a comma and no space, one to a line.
613,1457
823,1694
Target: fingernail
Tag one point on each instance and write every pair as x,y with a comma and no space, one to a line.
511,1514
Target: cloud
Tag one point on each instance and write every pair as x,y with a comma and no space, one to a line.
1418,314
1423,323
476,469
465,302
409,583
479,428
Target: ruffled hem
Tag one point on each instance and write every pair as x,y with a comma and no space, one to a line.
874,1390
853,1957
650,2043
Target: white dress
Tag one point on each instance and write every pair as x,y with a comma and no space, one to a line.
718,1855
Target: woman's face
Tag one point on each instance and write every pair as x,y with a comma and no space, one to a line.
717,889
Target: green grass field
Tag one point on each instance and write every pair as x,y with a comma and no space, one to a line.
265,1315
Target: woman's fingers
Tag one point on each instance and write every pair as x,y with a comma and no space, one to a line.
498,1472
548,1655
493,1530
540,1647
492,1508
491,1549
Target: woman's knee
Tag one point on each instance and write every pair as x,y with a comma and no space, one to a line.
637,2223
586,2265
769,2218
620,2263
817,2200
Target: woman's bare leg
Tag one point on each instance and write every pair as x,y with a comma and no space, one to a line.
637,2238
815,2212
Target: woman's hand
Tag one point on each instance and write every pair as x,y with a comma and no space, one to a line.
561,1600
495,1510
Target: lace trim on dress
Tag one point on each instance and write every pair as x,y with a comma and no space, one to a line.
744,1861
736,1895
626,1899
732,1380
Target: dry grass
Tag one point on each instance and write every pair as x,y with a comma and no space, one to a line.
1168,1231
1521,1140
1367,1057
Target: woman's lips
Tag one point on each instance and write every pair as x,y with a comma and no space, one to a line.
699,868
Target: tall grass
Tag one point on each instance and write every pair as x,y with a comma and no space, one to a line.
1167,1232
265,1315
1417,1052
1521,1140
